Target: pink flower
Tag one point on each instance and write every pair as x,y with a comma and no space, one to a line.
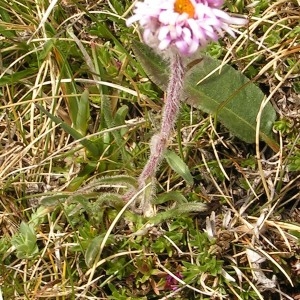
171,282
184,25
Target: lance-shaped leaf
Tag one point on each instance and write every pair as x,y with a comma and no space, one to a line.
83,113
179,166
220,90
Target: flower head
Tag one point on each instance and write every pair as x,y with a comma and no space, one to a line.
184,25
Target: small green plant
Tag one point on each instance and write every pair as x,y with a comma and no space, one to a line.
25,242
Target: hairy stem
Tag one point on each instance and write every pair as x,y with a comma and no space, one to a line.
170,112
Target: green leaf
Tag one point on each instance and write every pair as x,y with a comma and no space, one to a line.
7,33
25,241
228,94
128,181
38,217
179,166
83,113
155,66
53,200
175,196
47,48
191,207
17,77
70,89
89,145
93,248
81,177
120,118
179,210
83,203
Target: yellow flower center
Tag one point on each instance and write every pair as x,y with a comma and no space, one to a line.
184,6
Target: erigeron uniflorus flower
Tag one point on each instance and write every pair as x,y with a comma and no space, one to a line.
184,25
